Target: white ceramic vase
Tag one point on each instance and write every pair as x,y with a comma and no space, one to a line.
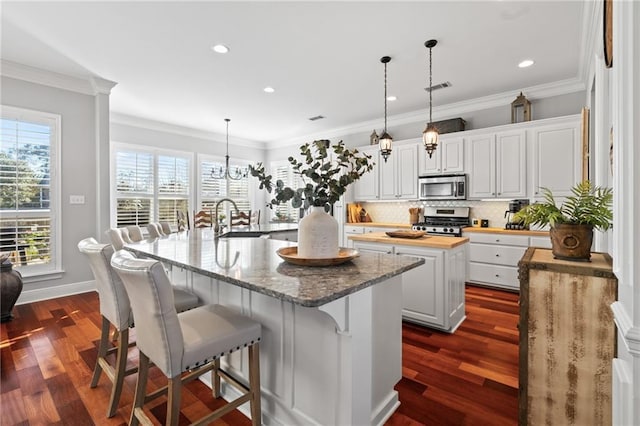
318,235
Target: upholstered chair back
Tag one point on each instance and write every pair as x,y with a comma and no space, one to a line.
135,233
159,334
116,237
166,228
124,232
153,230
114,302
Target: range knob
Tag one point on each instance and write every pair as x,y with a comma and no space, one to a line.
445,230
450,229
434,230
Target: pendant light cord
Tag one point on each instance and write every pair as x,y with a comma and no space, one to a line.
385,97
430,89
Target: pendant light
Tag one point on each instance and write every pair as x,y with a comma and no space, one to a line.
385,140
226,172
430,135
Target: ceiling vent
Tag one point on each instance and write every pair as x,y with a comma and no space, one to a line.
317,117
439,86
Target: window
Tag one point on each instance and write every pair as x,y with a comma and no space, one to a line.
137,173
284,212
29,189
213,189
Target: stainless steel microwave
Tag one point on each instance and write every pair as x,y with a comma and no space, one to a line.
443,187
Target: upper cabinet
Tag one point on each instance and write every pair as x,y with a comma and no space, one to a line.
366,188
395,179
497,165
447,158
555,160
399,175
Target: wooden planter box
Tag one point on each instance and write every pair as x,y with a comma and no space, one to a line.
567,339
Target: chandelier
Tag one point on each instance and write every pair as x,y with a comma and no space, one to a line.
227,172
386,139
430,135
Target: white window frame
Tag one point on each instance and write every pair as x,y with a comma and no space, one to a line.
155,152
54,268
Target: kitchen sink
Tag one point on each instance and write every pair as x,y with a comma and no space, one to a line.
242,234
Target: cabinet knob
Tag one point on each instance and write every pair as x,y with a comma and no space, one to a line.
497,276
499,193
389,252
497,255
493,193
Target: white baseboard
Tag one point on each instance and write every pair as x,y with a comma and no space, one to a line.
36,295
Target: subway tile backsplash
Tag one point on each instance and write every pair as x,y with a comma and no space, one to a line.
398,212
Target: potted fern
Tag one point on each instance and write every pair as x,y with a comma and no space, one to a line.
572,224
325,180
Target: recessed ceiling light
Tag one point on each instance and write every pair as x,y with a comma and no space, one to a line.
269,89
525,63
391,98
220,48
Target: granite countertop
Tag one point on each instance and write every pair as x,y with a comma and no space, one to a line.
506,231
253,263
431,241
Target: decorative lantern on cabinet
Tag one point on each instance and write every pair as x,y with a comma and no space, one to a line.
520,109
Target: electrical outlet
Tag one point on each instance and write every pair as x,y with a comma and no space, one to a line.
76,199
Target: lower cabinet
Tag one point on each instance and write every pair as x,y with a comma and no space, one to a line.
433,293
493,259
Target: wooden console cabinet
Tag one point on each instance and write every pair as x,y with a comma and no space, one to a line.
567,339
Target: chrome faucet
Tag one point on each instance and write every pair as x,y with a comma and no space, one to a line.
216,229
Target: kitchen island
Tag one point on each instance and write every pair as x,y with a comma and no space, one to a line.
433,294
331,349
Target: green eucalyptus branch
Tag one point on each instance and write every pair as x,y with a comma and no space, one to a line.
324,180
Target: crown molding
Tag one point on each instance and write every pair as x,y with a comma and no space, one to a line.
158,126
557,88
86,86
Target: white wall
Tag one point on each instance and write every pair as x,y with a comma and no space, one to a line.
625,108
78,153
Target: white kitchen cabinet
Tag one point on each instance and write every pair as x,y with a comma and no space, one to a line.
433,293
447,158
556,158
493,259
498,165
366,188
399,175
360,229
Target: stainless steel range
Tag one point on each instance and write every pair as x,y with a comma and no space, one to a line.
446,221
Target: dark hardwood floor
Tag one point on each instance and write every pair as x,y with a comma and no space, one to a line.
48,352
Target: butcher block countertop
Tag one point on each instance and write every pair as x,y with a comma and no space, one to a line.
431,241
506,231
381,225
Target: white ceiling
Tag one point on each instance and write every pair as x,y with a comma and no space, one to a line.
323,58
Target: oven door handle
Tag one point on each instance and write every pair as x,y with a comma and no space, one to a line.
455,190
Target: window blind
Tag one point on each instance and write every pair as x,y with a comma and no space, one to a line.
26,211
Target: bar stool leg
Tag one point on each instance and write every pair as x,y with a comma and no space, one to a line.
141,388
102,351
173,403
120,371
254,384
215,378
